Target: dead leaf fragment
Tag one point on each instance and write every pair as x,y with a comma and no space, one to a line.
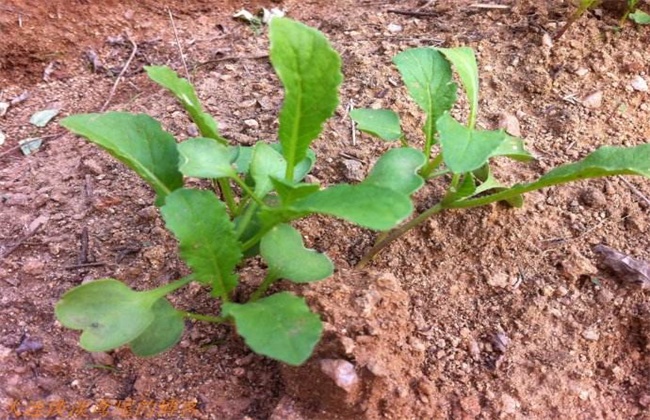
630,270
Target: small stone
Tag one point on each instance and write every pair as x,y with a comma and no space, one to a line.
341,371
510,123
352,170
605,296
252,124
639,84
593,197
92,166
102,358
547,41
192,130
394,28
33,267
499,280
4,106
593,100
509,405
582,72
148,213
644,401
590,334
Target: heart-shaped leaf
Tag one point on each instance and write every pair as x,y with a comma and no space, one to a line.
109,313
205,158
284,252
382,123
397,169
164,332
280,326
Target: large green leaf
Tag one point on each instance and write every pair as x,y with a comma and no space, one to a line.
184,92
428,78
204,158
464,61
280,326
109,313
310,71
464,149
266,163
368,205
136,140
206,235
382,123
164,332
284,252
397,169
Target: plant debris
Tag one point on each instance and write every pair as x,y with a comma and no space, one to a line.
629,269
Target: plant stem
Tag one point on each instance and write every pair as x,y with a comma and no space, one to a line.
168,288
248,191
246,218
396,233
228,196
206,318
263,287
431,166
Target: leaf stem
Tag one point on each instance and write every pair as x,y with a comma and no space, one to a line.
168,288
246,219
248,190
228,196
397,233
264,286
431,166
206,318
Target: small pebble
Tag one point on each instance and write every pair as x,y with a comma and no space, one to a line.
394,28
510,123
639,84
252,124
593,100
590,334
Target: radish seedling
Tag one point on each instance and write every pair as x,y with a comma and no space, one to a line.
462,152
261,190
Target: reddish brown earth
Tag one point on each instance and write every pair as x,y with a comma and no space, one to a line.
488,313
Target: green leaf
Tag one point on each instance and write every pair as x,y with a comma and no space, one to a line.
290,192
514,148
280,326
428,78
136,140
382,123
464,61
303,167
464,149
204,158
164,332
310,71
606,161
183,90
284,252
640,17
467,188
491,184
207,237
367,205
109,313
244,155
266,163
397,169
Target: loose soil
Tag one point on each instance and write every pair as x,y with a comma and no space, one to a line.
487,313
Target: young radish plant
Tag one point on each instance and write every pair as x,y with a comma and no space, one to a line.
261,189
462,152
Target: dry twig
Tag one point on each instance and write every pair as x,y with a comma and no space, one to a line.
119,77
178,44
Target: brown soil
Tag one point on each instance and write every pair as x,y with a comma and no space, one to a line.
488,313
